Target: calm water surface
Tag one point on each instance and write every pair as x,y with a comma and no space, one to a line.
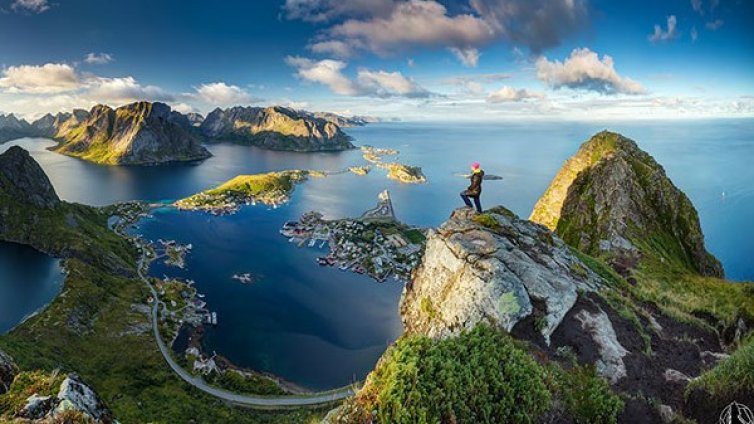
321,327
29,280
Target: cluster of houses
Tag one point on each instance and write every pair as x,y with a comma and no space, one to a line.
377,249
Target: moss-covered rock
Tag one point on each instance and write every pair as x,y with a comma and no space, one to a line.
613,199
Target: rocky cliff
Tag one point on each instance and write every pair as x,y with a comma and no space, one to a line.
12,128
613,199
275,128
8,372
567,309
24,180
140,133
493,267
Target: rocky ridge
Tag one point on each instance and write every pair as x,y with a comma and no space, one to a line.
275,128
22,178
613,198
140,133
493,267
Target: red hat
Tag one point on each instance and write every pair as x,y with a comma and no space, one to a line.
475,165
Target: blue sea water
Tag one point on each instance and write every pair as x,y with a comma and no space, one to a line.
29,280
321,327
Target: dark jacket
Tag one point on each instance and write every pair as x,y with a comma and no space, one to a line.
475,189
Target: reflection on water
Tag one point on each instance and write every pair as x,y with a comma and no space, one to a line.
29,280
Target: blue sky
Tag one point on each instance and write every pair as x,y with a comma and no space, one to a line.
414,59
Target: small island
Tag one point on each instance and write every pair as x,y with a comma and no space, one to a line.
375,154
404,173
374,244
273,188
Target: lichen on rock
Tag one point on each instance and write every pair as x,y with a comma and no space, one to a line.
472,273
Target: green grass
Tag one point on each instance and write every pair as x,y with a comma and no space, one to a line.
262,187
249,384
89,328
732,376
25,385
585,395
486,220
414,236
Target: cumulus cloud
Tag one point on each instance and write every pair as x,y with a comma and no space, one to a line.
222,94
665,35
34,6
714,25
469,56
98,58
329,72
584,70
536,24
388,84
510,94
325,10
123,90
182,107
47,78
385,26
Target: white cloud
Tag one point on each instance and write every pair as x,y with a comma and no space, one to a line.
124,90
182,107
98,58
665,35
222,94
329,72
510,94
468,56
325,10
410,23
584,70
388,84
47,78
714,25
35,6
386,26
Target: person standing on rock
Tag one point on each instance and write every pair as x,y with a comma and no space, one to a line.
475,188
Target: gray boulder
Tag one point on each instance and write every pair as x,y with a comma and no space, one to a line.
8,372
495,268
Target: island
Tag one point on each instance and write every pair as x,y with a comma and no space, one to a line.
404,173
375,154
140,133
275,128
273,188
375,244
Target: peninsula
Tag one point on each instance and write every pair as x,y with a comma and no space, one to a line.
140,133
273,188
275,128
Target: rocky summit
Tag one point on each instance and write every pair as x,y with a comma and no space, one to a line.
613,199
141,133
74,402
275,128
23,179
493,267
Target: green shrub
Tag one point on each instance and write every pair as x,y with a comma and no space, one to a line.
486,220
477,377
586,396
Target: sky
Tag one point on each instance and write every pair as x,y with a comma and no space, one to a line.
403,59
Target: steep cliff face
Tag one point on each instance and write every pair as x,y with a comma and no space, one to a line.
12,128
24,180
493,267
613,199
8,371
140,133
275,128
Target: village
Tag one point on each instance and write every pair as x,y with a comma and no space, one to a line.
375,244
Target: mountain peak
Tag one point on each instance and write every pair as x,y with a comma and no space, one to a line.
613,198
22,178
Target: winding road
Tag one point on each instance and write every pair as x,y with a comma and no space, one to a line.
258,402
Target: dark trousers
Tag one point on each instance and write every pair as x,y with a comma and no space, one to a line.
466,200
